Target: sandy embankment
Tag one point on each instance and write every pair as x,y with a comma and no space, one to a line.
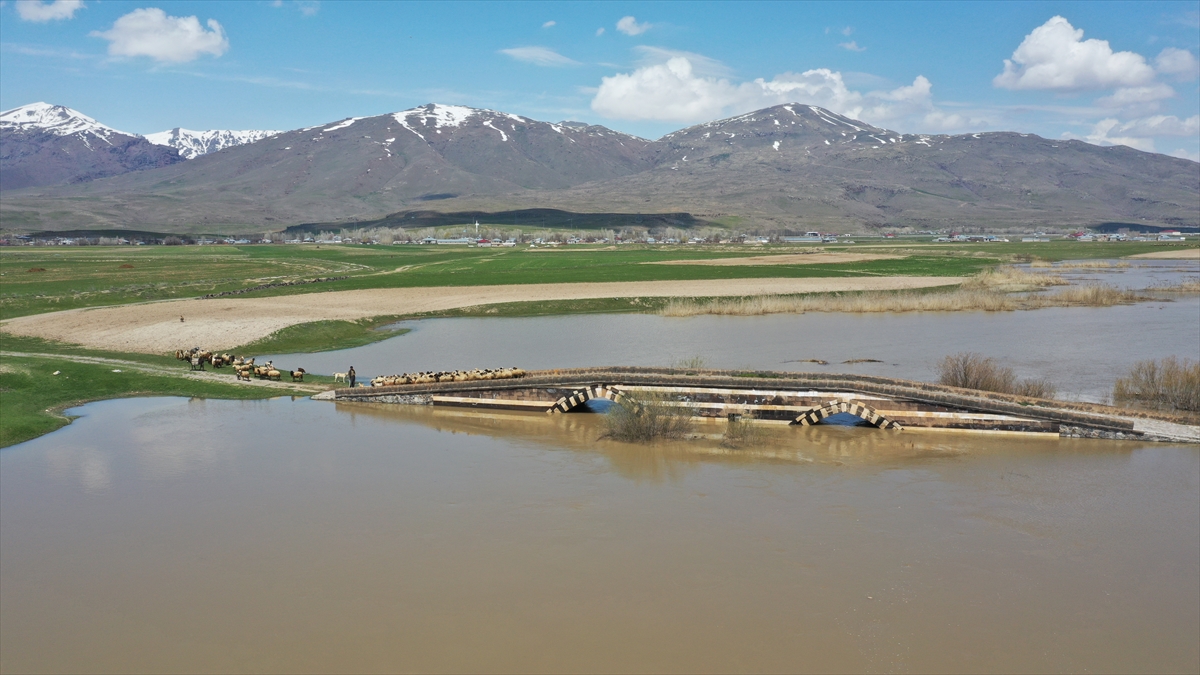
783,259
1183,254
224,323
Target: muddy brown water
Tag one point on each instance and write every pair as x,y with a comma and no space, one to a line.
174,535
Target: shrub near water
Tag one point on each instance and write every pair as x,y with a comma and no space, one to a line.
647,419
968,370
1172,384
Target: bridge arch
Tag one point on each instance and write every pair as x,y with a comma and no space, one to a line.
856,408
581,396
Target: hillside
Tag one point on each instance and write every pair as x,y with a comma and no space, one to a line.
789,167
43,144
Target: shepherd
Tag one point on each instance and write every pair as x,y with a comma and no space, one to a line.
350,376
180,318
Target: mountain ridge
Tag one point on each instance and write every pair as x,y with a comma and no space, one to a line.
788,166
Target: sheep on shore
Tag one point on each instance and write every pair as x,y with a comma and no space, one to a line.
427,377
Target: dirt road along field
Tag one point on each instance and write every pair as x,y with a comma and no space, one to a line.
224,323
1182,254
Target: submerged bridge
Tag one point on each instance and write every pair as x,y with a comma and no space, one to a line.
784,398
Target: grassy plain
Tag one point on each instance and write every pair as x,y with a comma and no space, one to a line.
75,277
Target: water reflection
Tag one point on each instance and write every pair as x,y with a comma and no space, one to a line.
293,535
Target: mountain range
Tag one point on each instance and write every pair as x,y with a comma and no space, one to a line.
192,144
790,167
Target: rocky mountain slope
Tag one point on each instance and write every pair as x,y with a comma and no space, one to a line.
43,144
192,144
788,167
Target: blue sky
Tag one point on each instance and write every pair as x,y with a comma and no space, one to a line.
1107,72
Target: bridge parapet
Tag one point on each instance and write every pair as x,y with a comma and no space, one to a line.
768,395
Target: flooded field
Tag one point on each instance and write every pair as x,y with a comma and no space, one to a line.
1080,349
168,535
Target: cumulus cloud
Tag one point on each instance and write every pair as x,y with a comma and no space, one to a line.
539,56
40,11
852,46
675,91
629,26
1177,62
1055,56
151,32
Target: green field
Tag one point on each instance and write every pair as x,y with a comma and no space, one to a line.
94,276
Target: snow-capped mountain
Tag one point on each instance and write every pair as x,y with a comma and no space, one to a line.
56,119
43,144
192,144
792,166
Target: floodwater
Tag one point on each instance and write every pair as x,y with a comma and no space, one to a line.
172,535
1081,350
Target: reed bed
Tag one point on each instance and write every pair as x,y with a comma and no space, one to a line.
1169,384
1011,278
986,300
969,370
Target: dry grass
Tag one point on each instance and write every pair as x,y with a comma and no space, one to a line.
986,300
647,419
1169,384
1012,279
740,432
969,370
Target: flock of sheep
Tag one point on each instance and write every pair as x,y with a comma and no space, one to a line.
242,367
448,376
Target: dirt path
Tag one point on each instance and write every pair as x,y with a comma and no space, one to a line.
225,323
1184,254
173,372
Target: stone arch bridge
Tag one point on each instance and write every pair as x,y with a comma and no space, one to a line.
784,398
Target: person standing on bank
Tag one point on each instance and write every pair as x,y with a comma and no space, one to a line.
350,376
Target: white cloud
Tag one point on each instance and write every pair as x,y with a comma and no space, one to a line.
701,65
539,56
852,46
550,24
151,32
39,11
1137,97
1177,62
629,26
308,7
1054,56
674,91
847,30
1186,154
599,31
1140,133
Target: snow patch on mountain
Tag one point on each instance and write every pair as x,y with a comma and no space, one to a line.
58,120
192,144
